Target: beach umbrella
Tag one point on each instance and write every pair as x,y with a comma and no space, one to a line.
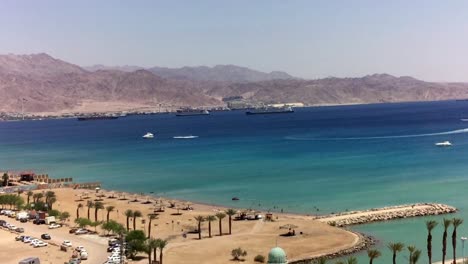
288,226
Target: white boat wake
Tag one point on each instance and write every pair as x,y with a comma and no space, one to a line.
458,131
185,137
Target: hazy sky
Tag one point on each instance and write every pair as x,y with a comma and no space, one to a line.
310,39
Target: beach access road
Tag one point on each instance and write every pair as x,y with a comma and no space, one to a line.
95,246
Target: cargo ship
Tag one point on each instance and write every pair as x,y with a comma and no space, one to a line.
91,118
270,110
191,112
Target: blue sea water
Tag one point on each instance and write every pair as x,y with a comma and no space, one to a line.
330,158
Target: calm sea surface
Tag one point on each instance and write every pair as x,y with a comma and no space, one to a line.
330,158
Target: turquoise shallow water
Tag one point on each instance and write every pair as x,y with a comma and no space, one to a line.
333,158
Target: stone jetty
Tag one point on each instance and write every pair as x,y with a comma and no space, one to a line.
385,214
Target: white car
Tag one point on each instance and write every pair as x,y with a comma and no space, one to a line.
27,240
80,248
40,243
67,243
53,226
12,227
81,231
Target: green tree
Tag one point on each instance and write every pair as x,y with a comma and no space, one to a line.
109,209
395,248
97,206
151,217
321,260
37,197
151,245
135,215
373,254
431,224
162,243
50,198
456,223
78,207
95,224
90,205
64,216
230,213
210,219
447,223
53,212
351,260
220,217
136,242
415,256
199,219
29,194
5,179
238,253
83,222
411,250
128,214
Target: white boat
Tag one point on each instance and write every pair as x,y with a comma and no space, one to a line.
185,137
444,144
148,135
464,119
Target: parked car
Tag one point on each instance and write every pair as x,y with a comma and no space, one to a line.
40,243
19,230
45,236
73,230
74,261
32,260
80,248
54,225
39,221
19,238
84,255
27,239
81,231
23,220
67,243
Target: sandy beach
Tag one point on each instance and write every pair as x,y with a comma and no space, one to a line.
255,236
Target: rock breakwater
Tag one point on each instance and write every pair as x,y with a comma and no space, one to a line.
385,214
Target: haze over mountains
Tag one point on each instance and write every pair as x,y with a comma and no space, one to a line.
52,85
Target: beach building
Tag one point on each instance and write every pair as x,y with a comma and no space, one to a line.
277,256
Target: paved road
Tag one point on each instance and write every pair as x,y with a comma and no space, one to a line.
95,246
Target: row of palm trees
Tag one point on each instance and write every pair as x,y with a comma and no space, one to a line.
218,216
152,245
414,253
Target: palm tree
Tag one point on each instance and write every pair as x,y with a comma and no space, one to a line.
51,201
29,194
78,210
48,196
151,245
97,206
431,224
230,213
447,223
199,219
90,205
161,245
151,217
373,254
220,217
37,197
411,250
135,215
395,248
210,219
351,260
128,214
456,222
109,209
5,179
415,256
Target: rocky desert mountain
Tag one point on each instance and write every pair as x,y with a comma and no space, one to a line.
51,85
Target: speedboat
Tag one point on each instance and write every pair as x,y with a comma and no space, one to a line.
185,137
444,144
148,135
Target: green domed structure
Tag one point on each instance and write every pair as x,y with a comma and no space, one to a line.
277,256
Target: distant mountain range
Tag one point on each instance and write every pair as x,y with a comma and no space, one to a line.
219,73
52,85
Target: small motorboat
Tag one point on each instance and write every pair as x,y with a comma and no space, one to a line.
444,144
235,198
185,137
148,135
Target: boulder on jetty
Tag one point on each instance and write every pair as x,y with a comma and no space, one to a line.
386,213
